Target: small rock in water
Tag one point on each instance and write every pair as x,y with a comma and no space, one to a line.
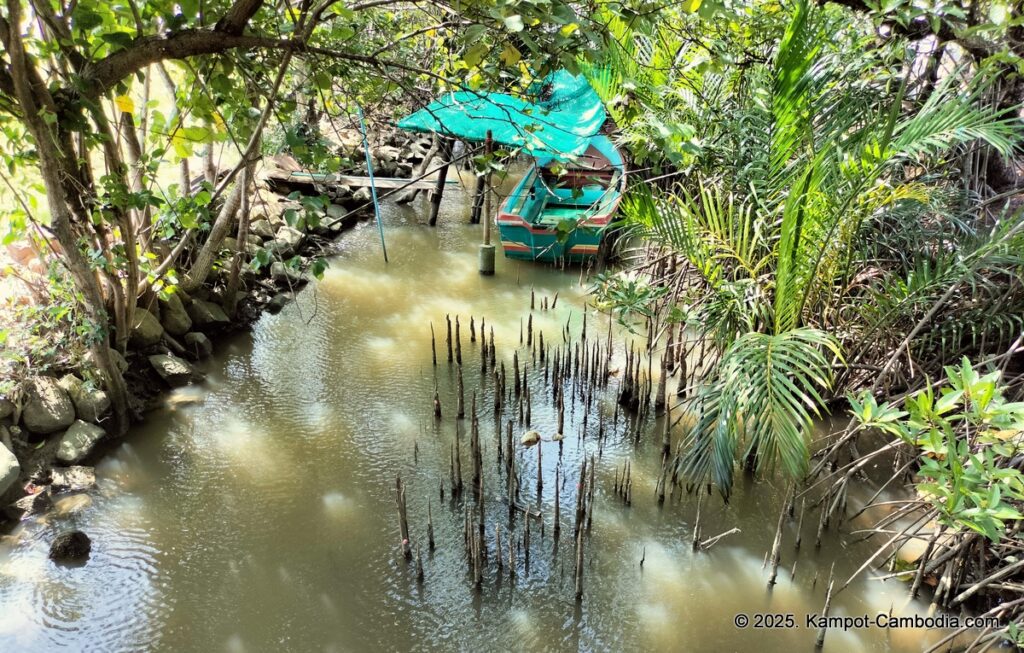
34,504
558,437
173,370
72,479
71,505
197,344
530,438
70,546
278,302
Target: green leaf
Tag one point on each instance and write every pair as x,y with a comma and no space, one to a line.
514,23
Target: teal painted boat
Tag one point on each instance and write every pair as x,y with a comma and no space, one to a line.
562,211
562,208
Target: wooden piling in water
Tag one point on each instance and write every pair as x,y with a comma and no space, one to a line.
590,495
439,184
460,399
696,522
579,567
820,641
430,523
448,337
457,480
776,549
472,330
800,525
433,345
528,406
483,351
581,499
403,518
419,565
458,342
556,528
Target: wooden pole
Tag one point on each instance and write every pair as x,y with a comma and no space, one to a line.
442,175
403,520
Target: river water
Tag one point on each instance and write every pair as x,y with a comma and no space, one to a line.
256,511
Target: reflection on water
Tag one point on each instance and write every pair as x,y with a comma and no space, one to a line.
256,512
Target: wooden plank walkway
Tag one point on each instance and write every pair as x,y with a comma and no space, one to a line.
381,182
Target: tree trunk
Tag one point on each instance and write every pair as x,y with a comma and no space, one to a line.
53,172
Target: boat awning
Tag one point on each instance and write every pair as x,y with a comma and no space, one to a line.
560,124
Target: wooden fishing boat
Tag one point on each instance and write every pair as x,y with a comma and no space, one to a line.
562,208
561,211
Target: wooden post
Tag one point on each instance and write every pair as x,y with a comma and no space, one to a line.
442,175
403,520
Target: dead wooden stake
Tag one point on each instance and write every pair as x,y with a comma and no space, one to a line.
540,471
430,522
403,520
526,544
579,567
776,550
458,342
800,525
433,345
497,545
472,330
557,526
820,641
448,338
419,565
460,406
696,522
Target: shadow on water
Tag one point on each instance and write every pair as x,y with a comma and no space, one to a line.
257,511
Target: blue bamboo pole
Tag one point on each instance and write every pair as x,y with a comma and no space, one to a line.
373,186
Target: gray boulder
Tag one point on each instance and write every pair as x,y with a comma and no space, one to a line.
173,370
198,344
34,504
72,479
6,408
204,313
119,360
90,403
278,302
293,237
278,247
48,407
283,274
362,195
175,318
262,229
9,469
146,329
70,546
78,441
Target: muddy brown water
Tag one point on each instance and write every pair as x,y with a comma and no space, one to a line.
256,511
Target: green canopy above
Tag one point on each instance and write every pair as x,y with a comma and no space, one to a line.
560,123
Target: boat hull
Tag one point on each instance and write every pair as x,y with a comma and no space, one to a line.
524,243
565,218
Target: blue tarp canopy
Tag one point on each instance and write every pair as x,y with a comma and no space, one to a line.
560,123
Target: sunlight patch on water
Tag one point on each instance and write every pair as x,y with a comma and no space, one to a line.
338,506
252,451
